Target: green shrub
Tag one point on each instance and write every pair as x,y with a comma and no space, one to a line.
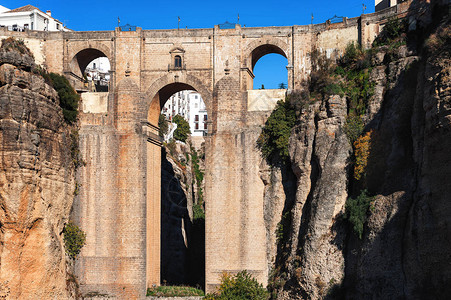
358,89
171,146
393,29
198,212
241,286
162,125
275,135
352,53
74,239
68,97
283,227
198,174
173,291
353,127
75,150
340,71
356,211
182,132
321,76
334,89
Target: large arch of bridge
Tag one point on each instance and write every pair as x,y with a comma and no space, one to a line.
156,96
163,88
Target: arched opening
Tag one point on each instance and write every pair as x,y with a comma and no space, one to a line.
269,66
179,109
90,71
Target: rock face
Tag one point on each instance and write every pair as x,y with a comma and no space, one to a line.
36,185
405,249
319,150
182,235
175,223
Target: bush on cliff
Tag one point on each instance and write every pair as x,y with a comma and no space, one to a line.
182,132
356,211
162,125
241,286
275,135
393,29
68,97
74,239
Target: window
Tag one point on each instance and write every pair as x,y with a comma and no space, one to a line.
205,126
177,61
196,118
196,126
205,118
57,26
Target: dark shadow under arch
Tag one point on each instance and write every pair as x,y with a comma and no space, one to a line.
171,89
84,57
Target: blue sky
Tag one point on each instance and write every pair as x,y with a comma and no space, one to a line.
84,15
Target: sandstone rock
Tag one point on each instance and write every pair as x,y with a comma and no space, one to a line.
22,61
405,249
36,184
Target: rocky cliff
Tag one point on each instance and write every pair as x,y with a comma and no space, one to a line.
182,225
36,182
404,250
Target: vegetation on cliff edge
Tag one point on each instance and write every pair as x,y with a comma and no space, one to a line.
74,239
162,125
241,286
173,291
275,135
12,44
183,131
68,97
356,211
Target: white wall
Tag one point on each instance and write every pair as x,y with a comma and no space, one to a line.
188,104
35,19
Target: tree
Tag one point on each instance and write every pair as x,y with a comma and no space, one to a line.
182,132
163,125
68,97
74,239
275,135
282,86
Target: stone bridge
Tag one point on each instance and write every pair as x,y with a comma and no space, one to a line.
119,201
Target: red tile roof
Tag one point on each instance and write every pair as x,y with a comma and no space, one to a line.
23,8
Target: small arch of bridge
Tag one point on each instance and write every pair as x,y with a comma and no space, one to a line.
259,48
81,54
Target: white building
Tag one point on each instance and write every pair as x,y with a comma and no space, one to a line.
189,105
97,74
29,17
383,4
177,104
